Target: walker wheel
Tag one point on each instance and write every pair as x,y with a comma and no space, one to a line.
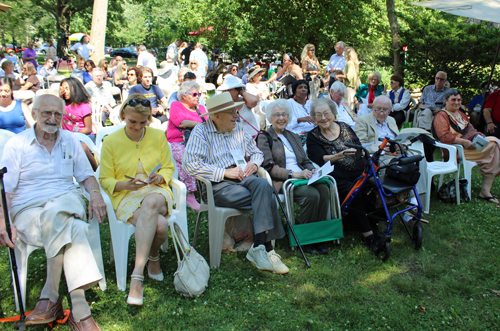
417,236
384,251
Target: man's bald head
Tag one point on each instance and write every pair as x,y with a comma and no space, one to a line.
48,112
48,101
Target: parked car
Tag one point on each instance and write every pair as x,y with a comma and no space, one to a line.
124,52
107,49
8,47
44,48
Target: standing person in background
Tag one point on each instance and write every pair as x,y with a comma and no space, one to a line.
29,55
201,58
179,52
351,75
147,60
310,63
337,62
173,50
186,53
83,48
51,51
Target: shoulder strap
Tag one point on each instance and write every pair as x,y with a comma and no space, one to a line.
199,114
269,138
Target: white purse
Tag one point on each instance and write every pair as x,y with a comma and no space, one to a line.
193,272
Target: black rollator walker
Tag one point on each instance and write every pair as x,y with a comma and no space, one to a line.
400,179
22,316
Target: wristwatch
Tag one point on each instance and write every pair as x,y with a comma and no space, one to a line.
290,174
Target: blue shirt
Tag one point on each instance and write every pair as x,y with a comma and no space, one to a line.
153,93
13,120
478,99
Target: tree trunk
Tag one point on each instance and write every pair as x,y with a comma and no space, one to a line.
98,32
62,24
395,34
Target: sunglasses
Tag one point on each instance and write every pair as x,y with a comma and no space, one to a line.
194,94
135,102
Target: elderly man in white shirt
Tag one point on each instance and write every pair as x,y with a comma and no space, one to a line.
202,59
173,50
146,59
337,61
344,112
48,210
101,93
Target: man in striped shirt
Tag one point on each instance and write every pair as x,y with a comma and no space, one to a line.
212,153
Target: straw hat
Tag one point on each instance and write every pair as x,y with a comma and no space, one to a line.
230,82
254,71
220,102
164,67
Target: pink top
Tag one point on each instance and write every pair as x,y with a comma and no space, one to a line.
73,117
179,113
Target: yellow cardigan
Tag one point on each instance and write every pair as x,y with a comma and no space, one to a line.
120,157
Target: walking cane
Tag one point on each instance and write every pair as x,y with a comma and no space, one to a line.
20,325
288,221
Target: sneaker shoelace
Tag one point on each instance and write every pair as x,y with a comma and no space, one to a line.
274,257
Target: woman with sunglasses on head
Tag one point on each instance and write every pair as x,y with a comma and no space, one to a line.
103,64
143,202
13,113
185,114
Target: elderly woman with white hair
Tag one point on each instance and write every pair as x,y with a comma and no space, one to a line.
285,158
367,93
344,112
185,114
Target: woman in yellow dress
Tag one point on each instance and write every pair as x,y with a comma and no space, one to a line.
135,151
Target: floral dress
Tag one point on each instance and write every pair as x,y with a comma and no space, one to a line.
133,199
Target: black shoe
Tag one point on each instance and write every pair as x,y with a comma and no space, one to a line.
310,249
321,248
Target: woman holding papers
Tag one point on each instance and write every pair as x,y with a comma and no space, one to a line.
285,157
144,200
451,126
327,143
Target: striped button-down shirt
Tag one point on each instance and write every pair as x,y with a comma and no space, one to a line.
208,152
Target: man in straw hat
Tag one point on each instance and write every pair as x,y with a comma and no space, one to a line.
212,153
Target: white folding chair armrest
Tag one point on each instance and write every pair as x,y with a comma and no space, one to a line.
451,149
460,151
210,192
180,198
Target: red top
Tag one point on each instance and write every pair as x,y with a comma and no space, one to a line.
493,102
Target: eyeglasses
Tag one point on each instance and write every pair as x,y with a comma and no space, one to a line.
131,74
284,115
382,110
234,69
394,82
194,94
440,78
376,79
135,102
47,113
231,112
326,114
455,100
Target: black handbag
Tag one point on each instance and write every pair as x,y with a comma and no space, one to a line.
406,173
447,192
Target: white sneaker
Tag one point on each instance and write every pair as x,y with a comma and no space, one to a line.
278,266
260,258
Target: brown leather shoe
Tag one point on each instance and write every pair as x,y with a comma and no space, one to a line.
85,324
45,312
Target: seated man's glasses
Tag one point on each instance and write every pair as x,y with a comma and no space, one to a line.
231,112
47,113
382,110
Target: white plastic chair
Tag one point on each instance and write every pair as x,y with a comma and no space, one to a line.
121,232
438,168
104,132
468,165
90,144
46,91
55,86
97,116
5,135
116,91
24,95
54,78
217,217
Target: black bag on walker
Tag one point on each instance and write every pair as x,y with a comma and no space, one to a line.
407,173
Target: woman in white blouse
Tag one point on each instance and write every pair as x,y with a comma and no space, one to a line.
301,122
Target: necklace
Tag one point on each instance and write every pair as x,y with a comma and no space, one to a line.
142,136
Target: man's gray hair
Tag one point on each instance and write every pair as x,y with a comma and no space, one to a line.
97,69
186,87
280,104
382,98
58,101
142,48
444,73
338,87
342,44
323,102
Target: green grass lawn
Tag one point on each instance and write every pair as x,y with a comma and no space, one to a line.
448,285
